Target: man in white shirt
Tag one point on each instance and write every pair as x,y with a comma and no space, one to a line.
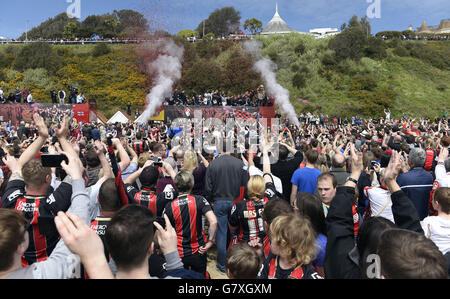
388,114
30,99
80,98
62,96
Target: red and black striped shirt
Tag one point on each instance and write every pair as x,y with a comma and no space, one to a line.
185,214
40,212
99,225
246,215
155,202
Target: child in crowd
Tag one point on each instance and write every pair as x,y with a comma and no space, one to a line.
242,262
293,249
437,228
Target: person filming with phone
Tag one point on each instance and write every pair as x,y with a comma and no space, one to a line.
29,191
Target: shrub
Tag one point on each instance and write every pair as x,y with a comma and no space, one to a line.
401,51
300,49
363,82
100,50
442,87
328,60
376,49
37,55
299,80
3,60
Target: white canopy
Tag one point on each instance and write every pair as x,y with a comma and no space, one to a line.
140,119
119,117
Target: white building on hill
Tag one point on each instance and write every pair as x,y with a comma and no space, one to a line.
323,32
277,25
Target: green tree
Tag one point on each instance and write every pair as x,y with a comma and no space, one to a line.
238,75
221,22
352,41
132,23
349,44
111,25
71,30
51,29
202,76
187,33
253,25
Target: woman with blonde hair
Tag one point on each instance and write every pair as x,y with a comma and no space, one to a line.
246,216
190,161
198,170
322,163
293,248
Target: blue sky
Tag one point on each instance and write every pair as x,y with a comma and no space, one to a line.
175,15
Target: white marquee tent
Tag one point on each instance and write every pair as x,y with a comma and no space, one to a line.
119,117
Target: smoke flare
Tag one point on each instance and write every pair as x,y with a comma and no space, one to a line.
265,68
167,69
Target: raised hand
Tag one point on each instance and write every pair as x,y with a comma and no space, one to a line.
12,163
443,154
40,126
393,169
63,129
357,159
167,237
99,148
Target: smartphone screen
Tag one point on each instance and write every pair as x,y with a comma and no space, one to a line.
53,160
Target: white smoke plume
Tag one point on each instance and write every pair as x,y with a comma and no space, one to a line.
265,68
167,68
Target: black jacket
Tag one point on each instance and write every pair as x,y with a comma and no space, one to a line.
225,179
341,259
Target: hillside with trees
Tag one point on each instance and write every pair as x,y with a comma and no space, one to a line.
353,73
119,24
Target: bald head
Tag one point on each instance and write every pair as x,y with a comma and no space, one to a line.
338,160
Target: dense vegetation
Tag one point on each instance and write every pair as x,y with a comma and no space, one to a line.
108,74
353,73
119,24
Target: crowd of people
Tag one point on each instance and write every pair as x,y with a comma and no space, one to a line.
77,41
421,37
252,98
73,96
355,199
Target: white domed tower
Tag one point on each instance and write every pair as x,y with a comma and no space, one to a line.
277,25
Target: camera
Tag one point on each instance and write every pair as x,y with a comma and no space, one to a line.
157,161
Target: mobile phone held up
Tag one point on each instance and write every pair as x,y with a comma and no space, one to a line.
53,160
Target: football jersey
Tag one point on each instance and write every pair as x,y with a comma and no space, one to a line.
40,212
155,202
99,225
272,270
185,214
247,216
